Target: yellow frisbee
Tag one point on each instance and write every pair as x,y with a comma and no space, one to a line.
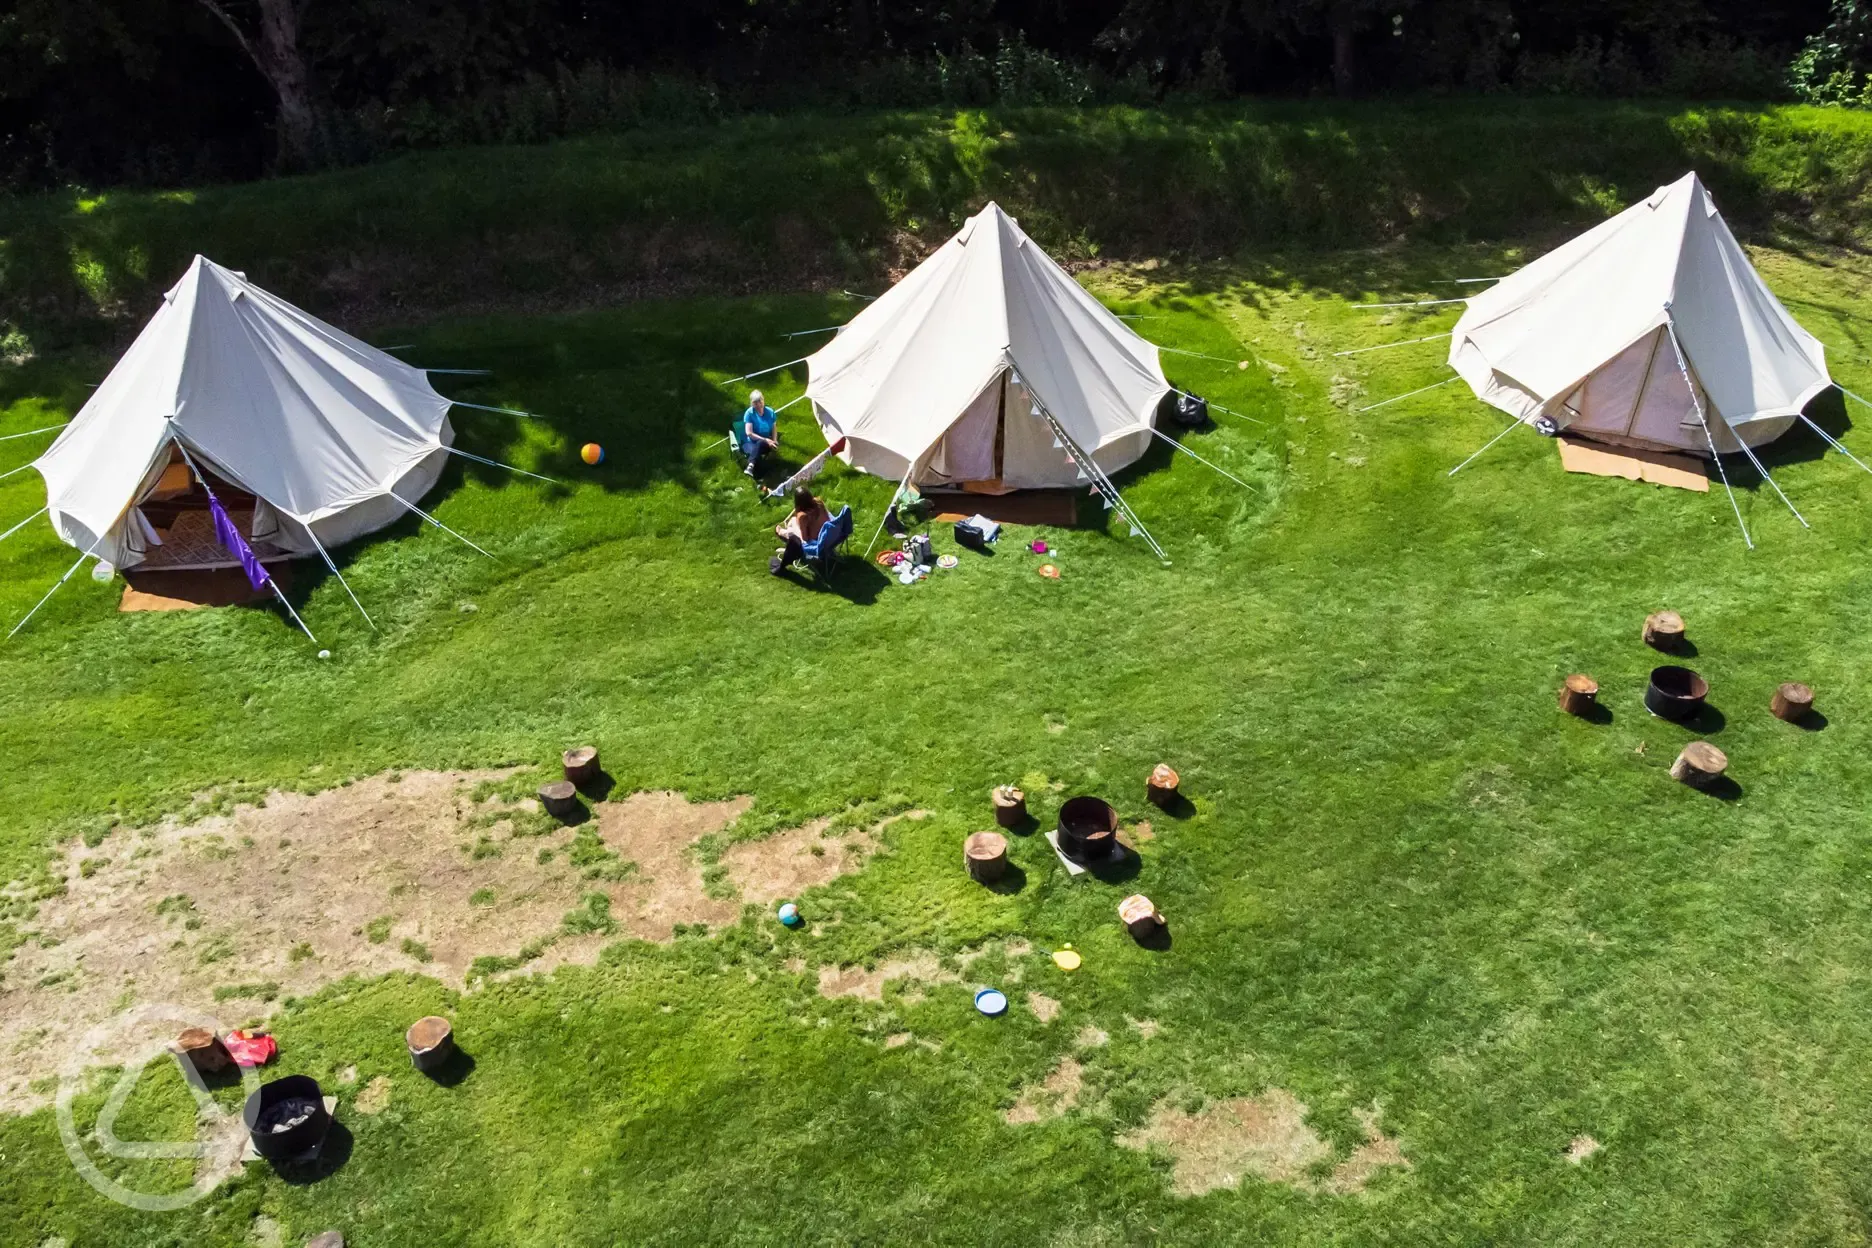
1066,959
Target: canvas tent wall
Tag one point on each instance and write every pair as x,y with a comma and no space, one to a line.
943,371
318,427
1584,335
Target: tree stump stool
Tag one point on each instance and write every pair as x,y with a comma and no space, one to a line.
431,1042
1664,630
560,799
1161,788
1010,806
326,1239
1579,694
985,855
203,1050
1792,702
1139,915
581,764
1700,765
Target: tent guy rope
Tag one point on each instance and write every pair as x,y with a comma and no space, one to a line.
22,524
482,459
1386,346
30,433
1199,459
505,411
763,372
1218,407
326,556
1409,395
1411,303
432,520
55,588
1832,441
1491,442
1683,367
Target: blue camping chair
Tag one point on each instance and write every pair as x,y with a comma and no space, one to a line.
822,553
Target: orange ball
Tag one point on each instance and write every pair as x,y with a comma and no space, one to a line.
592,453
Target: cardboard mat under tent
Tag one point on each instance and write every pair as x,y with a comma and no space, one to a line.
1683,472
1056,508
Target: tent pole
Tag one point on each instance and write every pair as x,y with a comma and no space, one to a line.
277,591
1832,441
1683,366
887,507
482,459
56,587
1491,442
1411,395
432,520
326,556
1386,346
32,432
22,524
1199,459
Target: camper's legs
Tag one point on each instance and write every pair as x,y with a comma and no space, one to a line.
794,552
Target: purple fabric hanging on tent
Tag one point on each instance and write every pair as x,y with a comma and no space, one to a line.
236,545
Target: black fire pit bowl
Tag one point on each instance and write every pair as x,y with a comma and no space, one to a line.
1088,828
1675,693
287,1117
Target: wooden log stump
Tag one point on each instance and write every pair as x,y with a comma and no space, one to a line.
1700,765
1579,694
203,1050
1792,702
560,798
1010,806
1139,915
985,855
326,1239
1664,630
1161,788
581,765
431,1042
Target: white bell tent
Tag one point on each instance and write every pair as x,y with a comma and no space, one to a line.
329,437
1651,331
988,368
304,436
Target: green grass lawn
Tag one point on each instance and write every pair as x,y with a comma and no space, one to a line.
1407,878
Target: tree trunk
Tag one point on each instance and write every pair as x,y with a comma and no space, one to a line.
861,26
1344,66
286,69
274,51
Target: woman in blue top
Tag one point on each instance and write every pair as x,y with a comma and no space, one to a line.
758,435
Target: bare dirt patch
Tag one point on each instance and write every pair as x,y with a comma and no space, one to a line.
868,984
1264,1137
897,1039
375,1098
1044,1008
1091,1037
1051,1097
1580,1147
1147,1028
417,871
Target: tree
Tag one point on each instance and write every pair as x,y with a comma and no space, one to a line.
269,35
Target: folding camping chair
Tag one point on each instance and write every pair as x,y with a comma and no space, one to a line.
822,552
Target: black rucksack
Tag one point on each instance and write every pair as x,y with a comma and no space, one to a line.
1192,411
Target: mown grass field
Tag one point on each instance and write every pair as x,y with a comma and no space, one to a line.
1407,878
